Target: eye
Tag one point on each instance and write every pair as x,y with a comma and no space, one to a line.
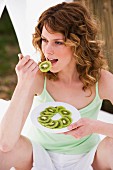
43,40
59,43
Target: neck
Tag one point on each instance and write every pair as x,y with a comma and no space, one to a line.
68,76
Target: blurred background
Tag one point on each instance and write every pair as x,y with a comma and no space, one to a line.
9,48
8,56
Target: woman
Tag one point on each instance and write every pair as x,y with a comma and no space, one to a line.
66,36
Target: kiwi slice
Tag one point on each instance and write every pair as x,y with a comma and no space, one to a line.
45,66
60,125
52,124
43,113
59,108
65,112
51,109
44,118
66,121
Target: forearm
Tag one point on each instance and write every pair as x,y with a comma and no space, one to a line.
14,118
103,128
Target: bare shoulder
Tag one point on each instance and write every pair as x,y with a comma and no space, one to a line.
106,85
39,83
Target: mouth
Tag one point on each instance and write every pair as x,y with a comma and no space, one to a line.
53,61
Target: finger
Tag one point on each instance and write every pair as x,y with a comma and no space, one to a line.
20,56
35,69
29,63
75,125
33,66
24,60
12,168
73,133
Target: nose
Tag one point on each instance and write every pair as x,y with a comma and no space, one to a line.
49,49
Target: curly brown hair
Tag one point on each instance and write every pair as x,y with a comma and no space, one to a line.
79,28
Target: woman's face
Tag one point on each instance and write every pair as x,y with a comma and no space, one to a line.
55,50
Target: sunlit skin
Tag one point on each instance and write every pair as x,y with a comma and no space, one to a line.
14,148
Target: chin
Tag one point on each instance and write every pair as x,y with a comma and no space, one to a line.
54,70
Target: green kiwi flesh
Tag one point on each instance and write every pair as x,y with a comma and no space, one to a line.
43,113
66,121
52,124
51,109
59,108
45,118
45,66
60,125
65,112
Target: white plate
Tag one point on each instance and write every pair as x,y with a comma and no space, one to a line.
36,113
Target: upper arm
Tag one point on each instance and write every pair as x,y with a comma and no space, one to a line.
106,85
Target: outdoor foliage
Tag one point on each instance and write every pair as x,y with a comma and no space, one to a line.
8,57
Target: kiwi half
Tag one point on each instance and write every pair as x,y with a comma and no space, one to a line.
45,66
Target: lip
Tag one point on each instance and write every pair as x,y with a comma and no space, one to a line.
53,61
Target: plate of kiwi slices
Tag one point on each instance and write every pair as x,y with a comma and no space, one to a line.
45,66
54,117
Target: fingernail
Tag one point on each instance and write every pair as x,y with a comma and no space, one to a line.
19,55
12,168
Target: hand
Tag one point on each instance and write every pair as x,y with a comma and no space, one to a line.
82,128
26,69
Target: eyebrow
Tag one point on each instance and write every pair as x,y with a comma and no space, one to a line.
53,39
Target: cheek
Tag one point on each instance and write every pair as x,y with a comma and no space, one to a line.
68,54
68,50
